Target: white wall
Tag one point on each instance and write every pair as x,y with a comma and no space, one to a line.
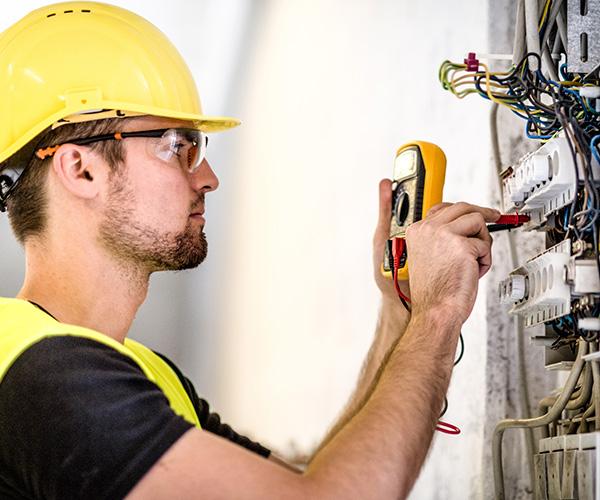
274,327
330,91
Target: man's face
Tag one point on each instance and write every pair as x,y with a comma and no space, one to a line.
153,209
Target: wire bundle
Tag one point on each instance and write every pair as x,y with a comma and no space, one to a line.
527,93
551,100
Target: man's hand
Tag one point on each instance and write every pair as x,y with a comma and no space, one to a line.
448,252
382,234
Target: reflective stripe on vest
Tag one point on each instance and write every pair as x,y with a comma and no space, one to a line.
22,325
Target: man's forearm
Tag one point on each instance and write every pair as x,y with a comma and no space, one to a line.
387,440
391,324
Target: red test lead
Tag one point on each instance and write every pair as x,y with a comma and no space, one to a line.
512,219
508,221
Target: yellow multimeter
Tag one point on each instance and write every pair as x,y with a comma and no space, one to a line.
417,185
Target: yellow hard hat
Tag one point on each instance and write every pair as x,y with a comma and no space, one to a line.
78,61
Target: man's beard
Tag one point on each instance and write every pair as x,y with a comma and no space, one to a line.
135,243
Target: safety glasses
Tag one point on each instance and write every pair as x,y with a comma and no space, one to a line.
183,145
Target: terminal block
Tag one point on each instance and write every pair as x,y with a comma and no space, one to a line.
543,288
540,182
539,290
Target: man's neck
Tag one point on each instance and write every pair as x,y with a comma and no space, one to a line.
84,287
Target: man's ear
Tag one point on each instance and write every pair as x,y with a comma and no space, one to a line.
78,170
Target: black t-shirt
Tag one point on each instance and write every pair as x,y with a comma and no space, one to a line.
79,419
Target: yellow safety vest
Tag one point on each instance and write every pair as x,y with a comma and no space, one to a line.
22,324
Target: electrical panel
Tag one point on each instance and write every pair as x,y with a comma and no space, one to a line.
583,35
553,84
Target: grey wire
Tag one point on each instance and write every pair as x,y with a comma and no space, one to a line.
557,45
586,414
562,28
586,391
520,337
596,374
556,5
553,413
549,65
531,30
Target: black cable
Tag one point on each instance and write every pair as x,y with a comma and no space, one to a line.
460,356
405,304
445,409
462,349
596,251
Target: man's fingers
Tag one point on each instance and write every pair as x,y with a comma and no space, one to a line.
436,208
471,225
450,212
382,231
483,253
385,201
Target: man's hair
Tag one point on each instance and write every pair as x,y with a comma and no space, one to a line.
28,202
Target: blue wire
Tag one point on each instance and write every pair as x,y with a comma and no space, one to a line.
538,137
593,147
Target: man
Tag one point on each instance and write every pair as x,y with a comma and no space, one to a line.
104,179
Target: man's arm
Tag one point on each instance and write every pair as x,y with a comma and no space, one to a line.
377,455
379,452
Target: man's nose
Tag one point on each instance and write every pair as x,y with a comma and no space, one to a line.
204,179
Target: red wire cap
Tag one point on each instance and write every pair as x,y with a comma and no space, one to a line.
472,62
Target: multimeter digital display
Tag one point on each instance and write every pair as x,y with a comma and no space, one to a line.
417,185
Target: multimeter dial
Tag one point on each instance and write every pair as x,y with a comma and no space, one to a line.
402,206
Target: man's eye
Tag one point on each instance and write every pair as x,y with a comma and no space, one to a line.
176,148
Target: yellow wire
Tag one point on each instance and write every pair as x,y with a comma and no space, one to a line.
544,14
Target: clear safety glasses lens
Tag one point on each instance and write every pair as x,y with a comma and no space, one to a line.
186,146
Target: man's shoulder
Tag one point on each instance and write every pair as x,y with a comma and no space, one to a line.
75,405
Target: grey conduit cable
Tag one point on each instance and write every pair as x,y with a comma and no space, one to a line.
520,337
553,413
519,40
531,30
